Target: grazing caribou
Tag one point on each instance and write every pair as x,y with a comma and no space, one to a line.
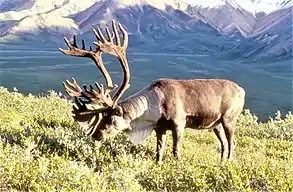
166,104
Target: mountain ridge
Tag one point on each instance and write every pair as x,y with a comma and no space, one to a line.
61,14
152,19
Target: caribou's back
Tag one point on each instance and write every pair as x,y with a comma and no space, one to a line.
202,102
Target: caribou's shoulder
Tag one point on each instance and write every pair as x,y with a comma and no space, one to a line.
165,83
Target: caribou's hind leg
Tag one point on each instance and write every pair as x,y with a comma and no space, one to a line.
229,123
220,133
229,132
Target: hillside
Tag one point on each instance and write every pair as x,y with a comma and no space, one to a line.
42,149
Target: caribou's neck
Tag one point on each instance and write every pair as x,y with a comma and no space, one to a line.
143,110
134,107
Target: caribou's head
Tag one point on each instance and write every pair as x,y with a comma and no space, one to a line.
97,112
111,123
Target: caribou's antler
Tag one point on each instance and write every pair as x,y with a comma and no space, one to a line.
73,89
90,103
87,119
103,46
100,98
118,50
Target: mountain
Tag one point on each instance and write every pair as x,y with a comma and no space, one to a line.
272,37
246,28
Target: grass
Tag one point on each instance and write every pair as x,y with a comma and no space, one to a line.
42,149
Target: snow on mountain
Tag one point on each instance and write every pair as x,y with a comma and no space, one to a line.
57,14
15,5
151,19
273,37
206,3
31,15
244,16
58,7
269,6
252,6
273,20
226,19
43,14
18,9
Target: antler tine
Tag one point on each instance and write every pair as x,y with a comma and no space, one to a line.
111,37
101,97
92,92
108,90
74,41
125,36
66,52
83,44
100,87
102,90
72,89
101,36
116,33
74,50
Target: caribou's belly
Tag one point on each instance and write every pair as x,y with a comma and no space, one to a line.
202,122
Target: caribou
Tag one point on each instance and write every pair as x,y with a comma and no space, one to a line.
164,105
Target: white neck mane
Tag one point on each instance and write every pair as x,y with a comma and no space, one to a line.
143,110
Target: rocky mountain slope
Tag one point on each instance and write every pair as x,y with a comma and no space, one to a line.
249,27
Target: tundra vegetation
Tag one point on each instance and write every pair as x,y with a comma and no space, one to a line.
43,149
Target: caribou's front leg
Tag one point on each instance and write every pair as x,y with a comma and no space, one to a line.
161,143
177,134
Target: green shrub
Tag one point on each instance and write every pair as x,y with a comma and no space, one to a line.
42,149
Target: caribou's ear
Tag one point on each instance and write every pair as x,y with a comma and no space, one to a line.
118,111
